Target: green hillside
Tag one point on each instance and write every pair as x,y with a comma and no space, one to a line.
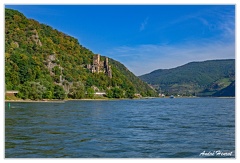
201,78
41,62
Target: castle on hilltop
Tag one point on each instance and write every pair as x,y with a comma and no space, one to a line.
99,66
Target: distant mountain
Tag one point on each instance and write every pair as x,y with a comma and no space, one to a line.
41,62
195,78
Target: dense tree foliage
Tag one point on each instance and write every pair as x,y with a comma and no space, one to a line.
202,78
41,62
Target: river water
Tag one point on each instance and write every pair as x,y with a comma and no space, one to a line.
148,128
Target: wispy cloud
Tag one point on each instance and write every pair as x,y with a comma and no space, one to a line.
144,24
143,59
220,44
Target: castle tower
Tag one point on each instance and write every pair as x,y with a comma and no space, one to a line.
99,66
106,62
109,73
107,67
96,63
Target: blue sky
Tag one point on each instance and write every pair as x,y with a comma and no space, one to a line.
145,37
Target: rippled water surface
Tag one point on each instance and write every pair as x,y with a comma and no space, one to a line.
180,127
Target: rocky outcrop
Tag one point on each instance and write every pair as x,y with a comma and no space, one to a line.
51,63
35,38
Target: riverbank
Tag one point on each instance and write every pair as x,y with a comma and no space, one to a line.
65,100
101,99
58,101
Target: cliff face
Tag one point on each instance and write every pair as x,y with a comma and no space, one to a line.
41,62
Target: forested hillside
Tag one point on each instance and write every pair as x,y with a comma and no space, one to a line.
43,63
195,78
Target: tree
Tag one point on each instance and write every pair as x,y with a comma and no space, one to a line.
90,93
109,93
77,91
32,90
59,93
117,92
130,92
90,81
48,95
56,70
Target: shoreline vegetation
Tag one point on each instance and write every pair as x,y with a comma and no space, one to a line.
97,99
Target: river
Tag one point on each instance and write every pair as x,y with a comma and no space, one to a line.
145,128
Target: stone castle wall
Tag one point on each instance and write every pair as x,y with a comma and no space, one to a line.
99,66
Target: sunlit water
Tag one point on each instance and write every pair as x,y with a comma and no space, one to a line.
158,128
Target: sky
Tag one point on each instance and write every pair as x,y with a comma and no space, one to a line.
145,37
